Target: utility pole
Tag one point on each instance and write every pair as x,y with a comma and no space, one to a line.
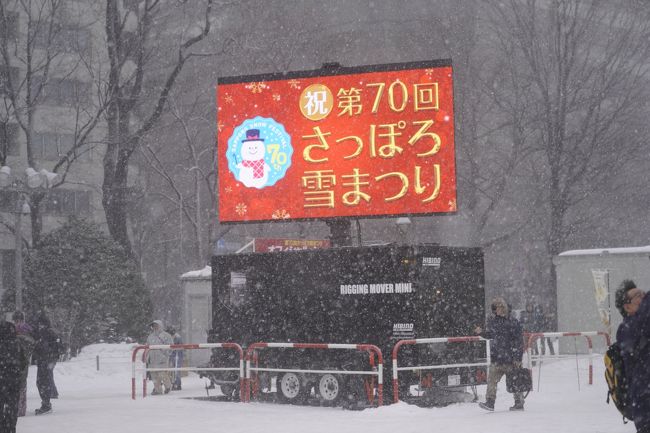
18,258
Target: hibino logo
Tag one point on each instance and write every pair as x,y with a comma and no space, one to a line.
403,330
432,261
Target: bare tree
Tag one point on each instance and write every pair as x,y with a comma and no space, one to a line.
581,69
140,78
40,68
188,175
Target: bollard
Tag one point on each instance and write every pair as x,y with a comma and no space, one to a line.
97,358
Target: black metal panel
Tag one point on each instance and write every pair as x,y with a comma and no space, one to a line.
297,296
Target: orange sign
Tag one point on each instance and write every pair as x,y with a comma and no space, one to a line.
344,142
272,245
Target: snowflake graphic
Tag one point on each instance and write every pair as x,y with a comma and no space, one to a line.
220,126
280,214
228,189
257,87
429,72
228,99
295,84
241,209
276,97
452,204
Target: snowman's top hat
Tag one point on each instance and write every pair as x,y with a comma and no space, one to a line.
252,135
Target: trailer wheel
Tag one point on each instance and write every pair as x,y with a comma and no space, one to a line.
290,388
330,388
230,391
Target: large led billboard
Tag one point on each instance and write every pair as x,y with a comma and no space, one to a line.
337,142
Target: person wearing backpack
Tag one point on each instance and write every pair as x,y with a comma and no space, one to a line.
632,336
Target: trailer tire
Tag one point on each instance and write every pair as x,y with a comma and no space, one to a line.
291,388
331,388
231,392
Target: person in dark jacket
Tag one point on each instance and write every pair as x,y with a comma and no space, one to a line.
633,336
46,354
11,357
530,324
26,341
506,350
544,321
176,358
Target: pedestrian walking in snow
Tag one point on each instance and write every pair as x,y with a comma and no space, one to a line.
159,358
46,354
545,324
506,349
176,358
26,341
530,325
11,358
633,336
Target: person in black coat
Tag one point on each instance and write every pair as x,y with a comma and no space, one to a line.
506,350
46,354
530,324
11,358
26,342
633,336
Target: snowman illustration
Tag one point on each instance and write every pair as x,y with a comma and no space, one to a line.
253,170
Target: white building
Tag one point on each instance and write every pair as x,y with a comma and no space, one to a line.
61,47
579,272
196,289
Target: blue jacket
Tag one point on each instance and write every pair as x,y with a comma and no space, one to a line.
633,336
507,345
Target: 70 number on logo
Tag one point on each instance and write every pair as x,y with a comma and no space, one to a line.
277,158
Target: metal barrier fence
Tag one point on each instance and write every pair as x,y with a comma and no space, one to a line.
245,368
374,350
145,353
586,334
401,343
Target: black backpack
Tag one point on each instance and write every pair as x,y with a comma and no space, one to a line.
616,381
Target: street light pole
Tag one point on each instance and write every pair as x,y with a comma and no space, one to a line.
18,271
34,181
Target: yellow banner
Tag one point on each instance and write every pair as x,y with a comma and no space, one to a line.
601,291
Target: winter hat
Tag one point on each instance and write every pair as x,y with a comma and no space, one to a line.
43,321
7,331
621,295
157,322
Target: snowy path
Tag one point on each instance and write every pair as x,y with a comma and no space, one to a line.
99,402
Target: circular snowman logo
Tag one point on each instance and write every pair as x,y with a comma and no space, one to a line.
259,152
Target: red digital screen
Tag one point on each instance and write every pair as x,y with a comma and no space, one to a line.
345,142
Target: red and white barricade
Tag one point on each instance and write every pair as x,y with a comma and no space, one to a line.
399,344
372,349
147,348
530,340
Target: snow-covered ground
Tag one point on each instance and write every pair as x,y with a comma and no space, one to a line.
94,401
